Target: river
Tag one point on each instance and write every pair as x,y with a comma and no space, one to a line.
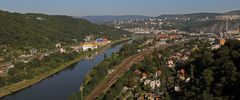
64,83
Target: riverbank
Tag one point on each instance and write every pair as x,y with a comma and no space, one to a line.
26,83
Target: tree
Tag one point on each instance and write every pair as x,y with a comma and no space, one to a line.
207,77
192,71
206,95
138,90
105,55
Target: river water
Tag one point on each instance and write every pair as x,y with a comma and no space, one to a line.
64,83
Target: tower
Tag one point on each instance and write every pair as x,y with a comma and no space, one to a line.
114,23
226,25
221,35
226,28
238,30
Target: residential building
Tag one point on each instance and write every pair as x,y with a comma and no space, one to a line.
58,45
181,74
227,17
102,41
144,76
153,83
158,73
5,67
62,50
33,51
89,46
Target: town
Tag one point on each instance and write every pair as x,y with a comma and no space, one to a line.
165,73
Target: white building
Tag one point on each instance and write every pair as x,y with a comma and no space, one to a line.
61,50
58,45
153,83
177,88
88,46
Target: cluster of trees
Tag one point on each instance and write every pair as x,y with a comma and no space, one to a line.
22,32
99,72
115,92
215,74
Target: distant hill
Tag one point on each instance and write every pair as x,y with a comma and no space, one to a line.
233,12
104,19
197,15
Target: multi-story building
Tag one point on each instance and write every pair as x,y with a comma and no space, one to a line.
227,17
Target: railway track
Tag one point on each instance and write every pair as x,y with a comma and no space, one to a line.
120,70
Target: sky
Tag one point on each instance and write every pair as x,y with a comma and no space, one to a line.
118,7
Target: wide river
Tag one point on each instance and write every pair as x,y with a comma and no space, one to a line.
64,83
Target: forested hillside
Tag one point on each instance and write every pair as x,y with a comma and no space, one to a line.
40,31
215,74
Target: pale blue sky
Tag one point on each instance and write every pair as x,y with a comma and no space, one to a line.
118,7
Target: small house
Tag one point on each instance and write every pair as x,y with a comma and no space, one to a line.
181,74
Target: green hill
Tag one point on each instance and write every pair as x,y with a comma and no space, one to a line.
41,31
